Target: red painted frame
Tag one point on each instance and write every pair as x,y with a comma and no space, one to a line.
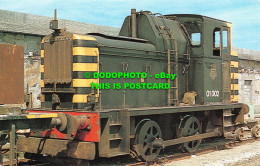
81,135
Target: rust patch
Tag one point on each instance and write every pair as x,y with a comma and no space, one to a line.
11,74
57,147
57,60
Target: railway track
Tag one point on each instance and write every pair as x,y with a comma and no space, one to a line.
169,154
208,145
220,146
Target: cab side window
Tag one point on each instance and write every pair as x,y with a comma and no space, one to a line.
195,39
216,42
224,41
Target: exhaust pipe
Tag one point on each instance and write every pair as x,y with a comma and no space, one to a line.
133,23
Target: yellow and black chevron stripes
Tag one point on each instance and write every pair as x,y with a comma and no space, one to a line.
42,73
85,59
42,84
234,64
234,98
86,51
234,77
42,64
234,70
80,98
34,116
85,66
83,82
42,53
42,68
42,49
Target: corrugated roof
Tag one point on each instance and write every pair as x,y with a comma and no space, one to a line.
247,54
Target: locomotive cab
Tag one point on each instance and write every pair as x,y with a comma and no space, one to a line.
215,74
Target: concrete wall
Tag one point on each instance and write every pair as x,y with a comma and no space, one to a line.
249,78
28,30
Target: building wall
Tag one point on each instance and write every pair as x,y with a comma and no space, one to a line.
249,78
28,30
249,87
31,60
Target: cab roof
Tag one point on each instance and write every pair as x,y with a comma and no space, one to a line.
196,16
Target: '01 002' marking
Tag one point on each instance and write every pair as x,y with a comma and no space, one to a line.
212,93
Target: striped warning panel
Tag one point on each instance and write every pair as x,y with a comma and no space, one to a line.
85,60
234,77
42,73
42,64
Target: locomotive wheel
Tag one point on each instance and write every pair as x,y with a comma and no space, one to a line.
240,134
255,131
146,133
189,126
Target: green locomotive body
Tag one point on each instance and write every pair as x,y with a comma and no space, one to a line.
203,67
139,115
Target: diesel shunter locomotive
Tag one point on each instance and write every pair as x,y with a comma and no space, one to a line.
200,101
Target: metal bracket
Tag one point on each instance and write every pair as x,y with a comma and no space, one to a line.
124,66
101,64
146,68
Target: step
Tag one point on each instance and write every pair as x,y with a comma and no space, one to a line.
227,111
115,124
230,125
173,87
132,136
118,154
228,115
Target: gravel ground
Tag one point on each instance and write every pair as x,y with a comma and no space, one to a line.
254,161
243,155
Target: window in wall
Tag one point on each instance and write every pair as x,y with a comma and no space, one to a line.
195,39
216,42
248,93
225,41
194,29
248,82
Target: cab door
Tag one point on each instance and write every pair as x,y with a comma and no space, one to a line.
225,48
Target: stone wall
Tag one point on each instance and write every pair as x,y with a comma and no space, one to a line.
249,78
31,60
